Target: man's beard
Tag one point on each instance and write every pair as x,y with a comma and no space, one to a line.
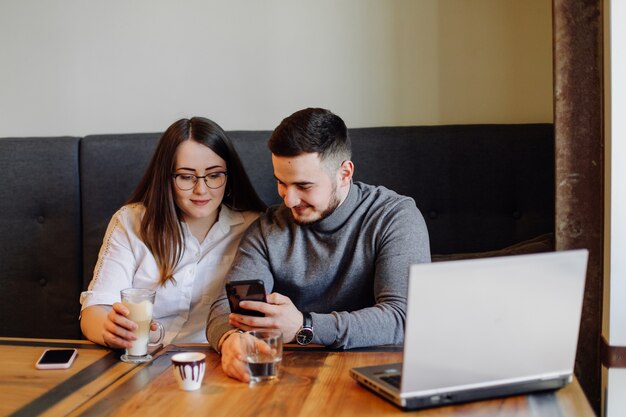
332,206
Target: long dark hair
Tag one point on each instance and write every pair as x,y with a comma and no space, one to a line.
161,227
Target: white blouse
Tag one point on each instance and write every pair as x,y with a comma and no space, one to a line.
181,306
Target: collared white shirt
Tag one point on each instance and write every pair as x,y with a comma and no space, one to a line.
181,306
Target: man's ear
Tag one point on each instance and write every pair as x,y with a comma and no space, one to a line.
346,171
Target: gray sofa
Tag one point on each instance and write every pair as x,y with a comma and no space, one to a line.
484,190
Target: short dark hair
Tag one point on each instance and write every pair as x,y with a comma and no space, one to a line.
312,130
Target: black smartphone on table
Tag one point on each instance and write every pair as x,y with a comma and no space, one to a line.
56,359
248,290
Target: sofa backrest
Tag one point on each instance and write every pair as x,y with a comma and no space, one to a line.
479,187
40,229
111,167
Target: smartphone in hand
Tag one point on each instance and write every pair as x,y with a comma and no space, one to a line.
248,290
56,359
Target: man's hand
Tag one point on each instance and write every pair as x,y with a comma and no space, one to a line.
234,352
280,313
234,358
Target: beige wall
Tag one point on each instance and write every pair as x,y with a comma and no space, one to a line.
75,67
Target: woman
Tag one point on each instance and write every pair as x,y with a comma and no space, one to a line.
177,234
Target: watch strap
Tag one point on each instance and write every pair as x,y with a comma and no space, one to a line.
307,320
305,334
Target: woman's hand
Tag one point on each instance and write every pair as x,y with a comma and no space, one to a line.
118,331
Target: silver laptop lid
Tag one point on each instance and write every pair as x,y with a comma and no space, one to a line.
485,322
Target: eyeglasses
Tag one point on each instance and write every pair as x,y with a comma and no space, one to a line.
186,182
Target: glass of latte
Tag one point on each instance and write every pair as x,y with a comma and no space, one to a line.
140,302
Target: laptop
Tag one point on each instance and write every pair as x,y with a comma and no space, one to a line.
485,328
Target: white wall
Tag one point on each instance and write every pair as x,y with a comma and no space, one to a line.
75,67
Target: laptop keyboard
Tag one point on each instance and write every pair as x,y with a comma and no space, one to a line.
393,380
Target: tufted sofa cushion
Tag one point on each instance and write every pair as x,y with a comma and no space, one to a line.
40,250
111,167
542,243
479,187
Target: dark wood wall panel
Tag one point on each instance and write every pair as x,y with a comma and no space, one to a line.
579,164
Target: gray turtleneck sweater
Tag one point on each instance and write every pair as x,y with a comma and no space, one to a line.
349,270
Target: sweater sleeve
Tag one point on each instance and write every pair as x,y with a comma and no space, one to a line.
250,263
402,240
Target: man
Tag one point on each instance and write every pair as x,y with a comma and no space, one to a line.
336,254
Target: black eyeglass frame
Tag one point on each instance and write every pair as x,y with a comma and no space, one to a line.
223,174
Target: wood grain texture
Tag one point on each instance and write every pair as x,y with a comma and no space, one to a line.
312,383
26,390
21,382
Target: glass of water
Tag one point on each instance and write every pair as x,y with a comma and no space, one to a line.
264,352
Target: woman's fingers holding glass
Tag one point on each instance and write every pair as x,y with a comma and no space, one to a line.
118,315
114,341
120,309
118,331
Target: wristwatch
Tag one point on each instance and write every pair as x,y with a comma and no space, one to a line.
305,334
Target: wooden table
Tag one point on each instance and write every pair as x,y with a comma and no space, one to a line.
313,383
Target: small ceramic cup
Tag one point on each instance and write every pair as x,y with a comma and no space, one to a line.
189,369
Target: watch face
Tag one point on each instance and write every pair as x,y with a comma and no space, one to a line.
304,336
